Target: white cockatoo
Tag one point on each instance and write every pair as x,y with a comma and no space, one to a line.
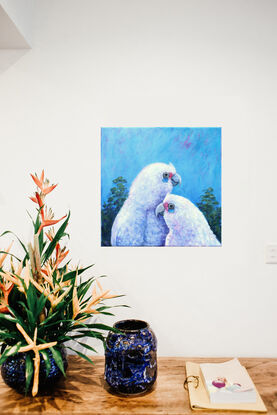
187,224
136,223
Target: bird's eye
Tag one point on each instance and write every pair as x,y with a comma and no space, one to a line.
166,175
171,207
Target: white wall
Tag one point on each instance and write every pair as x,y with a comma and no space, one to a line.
155,63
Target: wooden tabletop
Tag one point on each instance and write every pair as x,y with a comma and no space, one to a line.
85,392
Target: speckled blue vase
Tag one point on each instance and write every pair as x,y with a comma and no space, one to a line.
131,358
13,372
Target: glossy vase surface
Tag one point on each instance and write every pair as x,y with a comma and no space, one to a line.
13,372
131,357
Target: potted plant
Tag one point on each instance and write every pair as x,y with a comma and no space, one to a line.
44,303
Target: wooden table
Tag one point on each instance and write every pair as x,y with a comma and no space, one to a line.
84,391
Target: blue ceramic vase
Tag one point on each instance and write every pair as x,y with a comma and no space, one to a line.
13,372
131,358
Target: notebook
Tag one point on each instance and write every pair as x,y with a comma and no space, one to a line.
228,382
199,397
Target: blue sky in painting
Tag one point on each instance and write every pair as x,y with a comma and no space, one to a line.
195,153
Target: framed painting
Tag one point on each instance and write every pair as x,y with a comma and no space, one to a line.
161,186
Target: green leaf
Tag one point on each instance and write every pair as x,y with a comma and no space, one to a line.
98,326
29,370
30,315
72,274
10,351
23,305
7,321
58,359
81,355
46,358
38,223
63,338
87,346
63,268
56,239
21,243
53,323
104,307
31,298
19,318
8,253
26,258
90,333
30,216
40,305
40,242
9,335
87,333
84,287
51,317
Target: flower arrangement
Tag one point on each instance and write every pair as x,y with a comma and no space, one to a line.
43,303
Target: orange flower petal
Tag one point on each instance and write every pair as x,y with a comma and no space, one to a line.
39,200
49,189
49,237
37,181
33,199
9,289
5,301
49,223
4,309
61,258
40,205
57,250
3,256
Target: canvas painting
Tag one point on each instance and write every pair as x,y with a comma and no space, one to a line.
161,187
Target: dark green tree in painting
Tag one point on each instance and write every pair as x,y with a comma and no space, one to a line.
212,211
117,196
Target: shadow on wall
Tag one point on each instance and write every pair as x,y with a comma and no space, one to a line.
9,57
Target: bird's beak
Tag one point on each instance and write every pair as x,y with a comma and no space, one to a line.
176,179
159,210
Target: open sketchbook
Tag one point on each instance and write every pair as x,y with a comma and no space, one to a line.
228,382
199,398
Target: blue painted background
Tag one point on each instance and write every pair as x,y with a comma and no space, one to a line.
195,153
